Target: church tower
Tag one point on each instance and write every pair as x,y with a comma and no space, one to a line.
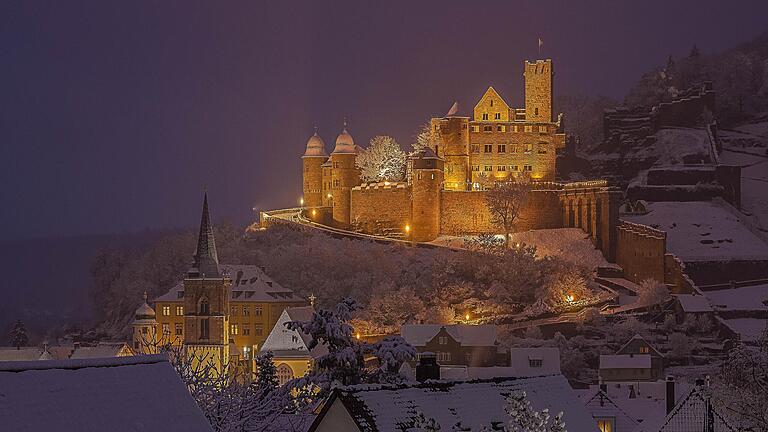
312,162
344,176
206,301
426,186
538,91
145,330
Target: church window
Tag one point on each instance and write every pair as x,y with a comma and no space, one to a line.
485,116
501,128
488,148
487,128
497,116
502,148
257,310
204,308
528,128
258,329
204,328
501,168
166,329
475,128
542,129
284,374
179,310
179,329
234,329
166,310
488,168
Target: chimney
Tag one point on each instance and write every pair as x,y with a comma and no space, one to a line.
427,368
632,393
603,387
670,393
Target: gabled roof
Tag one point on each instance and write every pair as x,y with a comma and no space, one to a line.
116,394
284,342
491,92
693,303
637,336
600,404
625,361
102,350
689,414
249,284
466,335
21,354
474,404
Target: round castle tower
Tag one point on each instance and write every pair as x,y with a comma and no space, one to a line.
344,176
426,185
145,330
312,163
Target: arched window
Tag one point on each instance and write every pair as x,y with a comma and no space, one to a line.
203,308
284,373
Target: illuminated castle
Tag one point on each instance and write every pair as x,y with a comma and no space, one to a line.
445,191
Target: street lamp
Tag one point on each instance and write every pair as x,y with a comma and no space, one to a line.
301,201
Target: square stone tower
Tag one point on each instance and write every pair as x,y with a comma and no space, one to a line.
538,91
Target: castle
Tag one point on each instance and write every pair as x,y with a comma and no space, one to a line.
446,187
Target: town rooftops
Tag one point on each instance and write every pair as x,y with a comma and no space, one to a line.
625,361
249,284
692,303
116,394
466,335
102,350
472,404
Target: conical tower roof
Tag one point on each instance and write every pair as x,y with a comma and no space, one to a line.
206,262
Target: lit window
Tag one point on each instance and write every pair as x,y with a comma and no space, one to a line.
542,129
284,374
644,350
501,168
605,424
488,148
502,148
501,128
179,310
247,352
528,128
497,116
166,310
528,148
485,116
488,168
514,128
487,128
234,329
475,128
442,340
179,329
166,329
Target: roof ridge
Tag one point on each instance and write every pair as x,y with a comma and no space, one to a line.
28,365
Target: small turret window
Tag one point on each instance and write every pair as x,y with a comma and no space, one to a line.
204,308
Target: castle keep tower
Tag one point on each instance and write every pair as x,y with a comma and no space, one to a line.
206,300
425,203
312,163
452,134
538,91
344,176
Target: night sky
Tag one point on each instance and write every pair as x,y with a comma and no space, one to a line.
115,115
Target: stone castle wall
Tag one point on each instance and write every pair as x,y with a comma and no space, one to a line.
640,251
379,209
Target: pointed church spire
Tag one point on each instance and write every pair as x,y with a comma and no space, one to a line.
206,262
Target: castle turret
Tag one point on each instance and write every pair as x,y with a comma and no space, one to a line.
426,185
344,176
312,162
145,329
452,137
538,91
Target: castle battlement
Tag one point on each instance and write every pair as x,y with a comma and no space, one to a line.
381,185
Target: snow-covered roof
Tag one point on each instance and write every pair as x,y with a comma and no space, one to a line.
600,405
637,336
102,350
690,414
118,394
693,303
524,361
345,143
625,361
249,284
474,403
315,147
21,354
749,298
284,342
466,335
748,329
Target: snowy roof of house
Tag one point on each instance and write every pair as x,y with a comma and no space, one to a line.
599,404
284,342
688,415
249,284
473,403
119,394
21,354
466,335
693,303
624,361
102,350
638,336
749,298
748,329
520,361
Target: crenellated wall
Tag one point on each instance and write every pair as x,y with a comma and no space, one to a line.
641,252
381,209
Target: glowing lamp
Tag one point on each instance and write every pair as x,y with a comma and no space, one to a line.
407,228
466,317
357,336
301,201
314,212
329,196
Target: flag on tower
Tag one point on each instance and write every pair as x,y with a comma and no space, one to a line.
541,42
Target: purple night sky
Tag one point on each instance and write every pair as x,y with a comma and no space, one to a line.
115,115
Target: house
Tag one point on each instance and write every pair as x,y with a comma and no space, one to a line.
526,362
102,350
609,415
626,367
292,357
457,344
638,345
691,306
137,393
8,354
694,412
471,405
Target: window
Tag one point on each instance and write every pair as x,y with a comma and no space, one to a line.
468,357
234,329
487,128
284,373
246,311
179,329
527,168
535,363
501,168
246,329
258,329
542,129
605,424
442,340
144,330
204,328
528,148
257,310
247,352
512,149
475,148
542,150
179,310
528,128
336,183
488,168
166,329
502,148
644,350
166,310
491,100
443,356
485,116
514,168
488,148
475,128
501,128
536,111
204,308
475,167
497,116
514,128
233,310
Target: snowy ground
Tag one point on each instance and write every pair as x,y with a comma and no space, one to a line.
703,231
675,146
748,150
750,298
571,244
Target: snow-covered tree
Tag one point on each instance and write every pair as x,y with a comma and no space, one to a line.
743,385
18,335
424,139
392,352
505,203
679,346
383,160
652,293
266,372
523,418
422,423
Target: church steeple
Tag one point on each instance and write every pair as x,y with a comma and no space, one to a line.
206,262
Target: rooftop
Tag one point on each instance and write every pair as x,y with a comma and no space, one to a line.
466,335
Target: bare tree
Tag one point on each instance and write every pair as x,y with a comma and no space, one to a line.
505,203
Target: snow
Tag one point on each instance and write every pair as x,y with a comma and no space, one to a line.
284,342
754,181
749,329
625,361
750,298
570,244
119,394
101,350
693,303
9,354
475,404
676,145
466,335
520,361
699,231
